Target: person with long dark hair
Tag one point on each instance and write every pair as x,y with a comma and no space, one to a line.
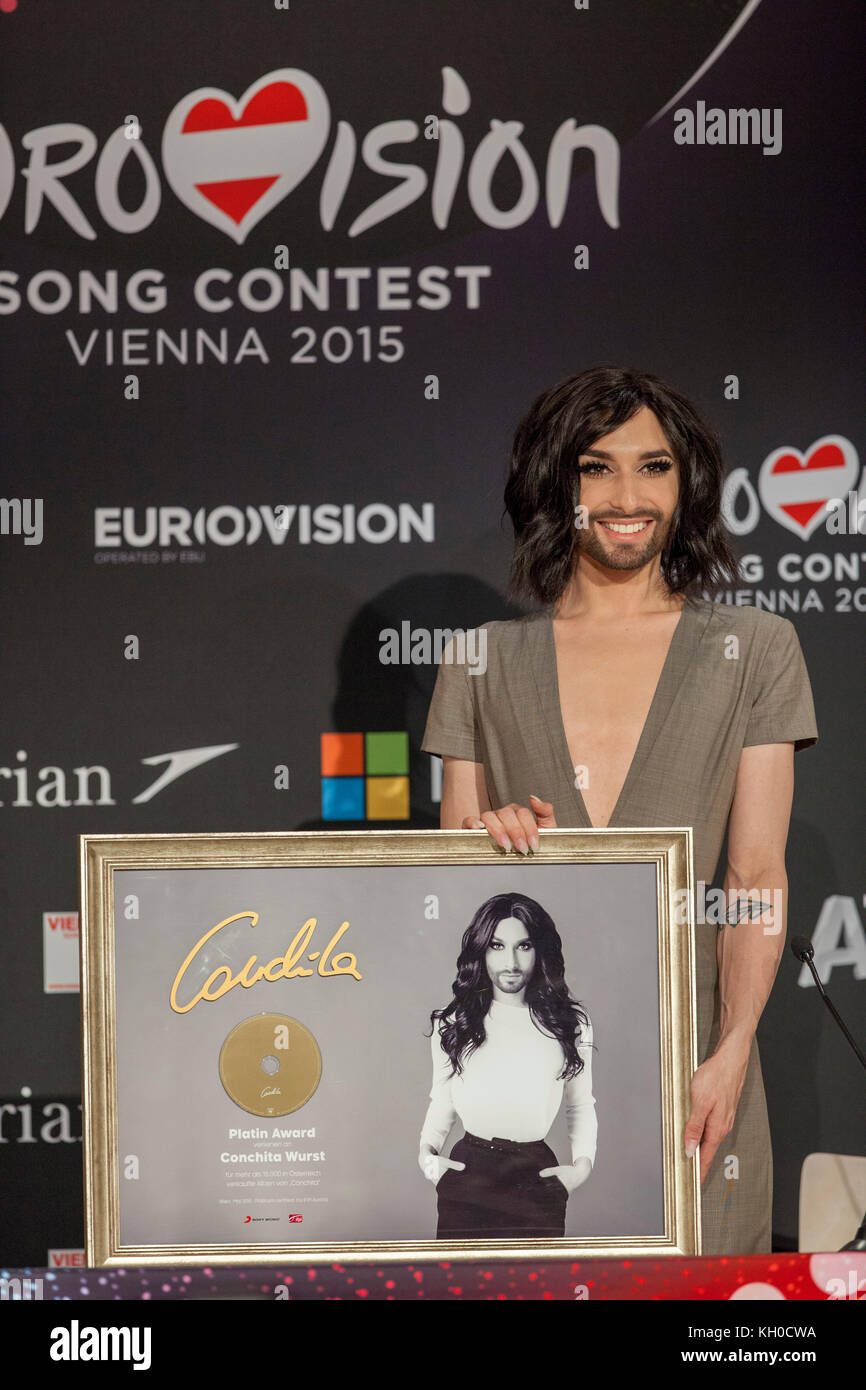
632,697
510,1045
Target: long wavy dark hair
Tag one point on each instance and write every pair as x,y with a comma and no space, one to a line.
553,1010
543,485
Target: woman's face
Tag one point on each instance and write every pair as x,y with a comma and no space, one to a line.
510,961
629,485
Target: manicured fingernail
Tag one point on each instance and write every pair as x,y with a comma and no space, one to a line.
691,1148
522,846
505,843
534,843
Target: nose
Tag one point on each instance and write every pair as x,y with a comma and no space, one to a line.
624,493
510,958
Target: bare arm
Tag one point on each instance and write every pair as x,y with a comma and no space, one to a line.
749,950
464,793
758,831
466,806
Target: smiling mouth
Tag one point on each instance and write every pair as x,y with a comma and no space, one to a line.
625,528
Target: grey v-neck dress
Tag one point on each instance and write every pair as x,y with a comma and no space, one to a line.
714,697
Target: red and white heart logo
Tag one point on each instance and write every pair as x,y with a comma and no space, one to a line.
795,488
232,161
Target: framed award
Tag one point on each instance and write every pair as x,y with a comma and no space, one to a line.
387,1045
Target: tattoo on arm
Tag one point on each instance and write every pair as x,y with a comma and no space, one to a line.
741,910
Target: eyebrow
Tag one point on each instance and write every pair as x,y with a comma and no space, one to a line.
649,454
500,942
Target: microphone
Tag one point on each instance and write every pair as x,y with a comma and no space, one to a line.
802,949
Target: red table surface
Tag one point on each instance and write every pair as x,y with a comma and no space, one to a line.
818,1277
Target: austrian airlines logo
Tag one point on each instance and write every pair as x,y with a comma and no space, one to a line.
178,763
91,786
795,487
232,161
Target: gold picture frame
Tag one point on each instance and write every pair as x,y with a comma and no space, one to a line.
143,1087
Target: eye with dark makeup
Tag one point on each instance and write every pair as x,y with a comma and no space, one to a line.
656,467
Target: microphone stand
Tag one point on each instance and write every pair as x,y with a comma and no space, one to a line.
804,952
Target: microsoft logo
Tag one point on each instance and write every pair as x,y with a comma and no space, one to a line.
365,776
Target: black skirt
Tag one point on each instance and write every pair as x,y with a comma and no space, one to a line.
499,1193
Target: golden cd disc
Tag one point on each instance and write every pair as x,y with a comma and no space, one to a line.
270,1064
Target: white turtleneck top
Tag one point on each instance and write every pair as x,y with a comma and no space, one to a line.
508,1088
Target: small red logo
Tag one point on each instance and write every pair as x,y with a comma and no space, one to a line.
296,1216
246,1219
66,1259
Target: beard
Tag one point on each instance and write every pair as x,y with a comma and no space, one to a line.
512,985
605,550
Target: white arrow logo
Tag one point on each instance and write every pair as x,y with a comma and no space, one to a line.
184,760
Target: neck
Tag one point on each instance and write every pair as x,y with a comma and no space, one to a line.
606,594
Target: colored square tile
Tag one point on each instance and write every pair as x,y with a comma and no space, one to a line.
342,755
387,798
342,798
387,754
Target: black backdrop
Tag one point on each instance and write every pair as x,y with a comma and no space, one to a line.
730,269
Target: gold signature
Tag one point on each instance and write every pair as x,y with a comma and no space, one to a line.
285,967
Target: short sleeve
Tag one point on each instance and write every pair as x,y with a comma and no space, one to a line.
782,709
451,728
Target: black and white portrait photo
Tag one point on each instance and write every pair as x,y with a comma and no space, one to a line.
508,1052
